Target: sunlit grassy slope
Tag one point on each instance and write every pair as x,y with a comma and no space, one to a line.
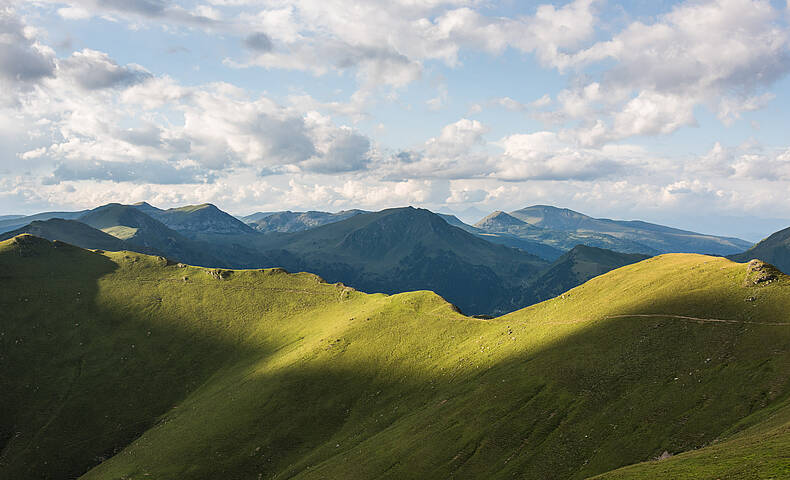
123,366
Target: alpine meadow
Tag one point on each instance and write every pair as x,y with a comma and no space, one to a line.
385,240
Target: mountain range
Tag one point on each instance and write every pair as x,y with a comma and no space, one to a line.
391,251
504,262
122,365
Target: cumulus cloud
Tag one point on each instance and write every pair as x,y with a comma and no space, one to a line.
258,41
543,156
717,53
23,60
387,42
148,9
148,172
94,70
77,112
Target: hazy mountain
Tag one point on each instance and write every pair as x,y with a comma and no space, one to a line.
454,221
130,224
656,237
501,221
120,365
196,219
542,250
17,222
254,217
70,231
775,250
10,217
403,249
505,228
297,221
576,267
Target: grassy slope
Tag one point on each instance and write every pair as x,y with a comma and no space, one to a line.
115,356
576,267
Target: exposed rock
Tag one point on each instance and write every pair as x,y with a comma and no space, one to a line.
219,274
760,273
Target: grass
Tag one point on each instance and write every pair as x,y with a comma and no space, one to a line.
124,366
121,231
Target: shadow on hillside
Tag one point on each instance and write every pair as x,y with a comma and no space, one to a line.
82,380
581,401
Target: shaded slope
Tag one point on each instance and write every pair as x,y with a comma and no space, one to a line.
70,231
140,373
658,237
576,267
775,250
404,249
140,231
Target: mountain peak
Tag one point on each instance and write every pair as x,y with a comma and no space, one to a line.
499,219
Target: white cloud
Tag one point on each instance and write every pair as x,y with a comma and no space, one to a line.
717,53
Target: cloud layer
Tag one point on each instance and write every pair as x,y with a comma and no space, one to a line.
80,126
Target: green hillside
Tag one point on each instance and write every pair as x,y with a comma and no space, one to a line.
659,238
576,267
124,366
775,250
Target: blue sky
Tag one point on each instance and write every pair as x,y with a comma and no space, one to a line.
665,111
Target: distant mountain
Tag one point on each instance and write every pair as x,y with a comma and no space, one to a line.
576,267
774,250
298,221
404,249
254,217
196,219
10,217
70,231
504,228
454,221
542,250
136,228
500,220
657,238
17,222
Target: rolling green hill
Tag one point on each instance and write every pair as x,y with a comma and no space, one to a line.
775,250
659,238
120,365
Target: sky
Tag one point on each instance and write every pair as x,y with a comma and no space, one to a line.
673,112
